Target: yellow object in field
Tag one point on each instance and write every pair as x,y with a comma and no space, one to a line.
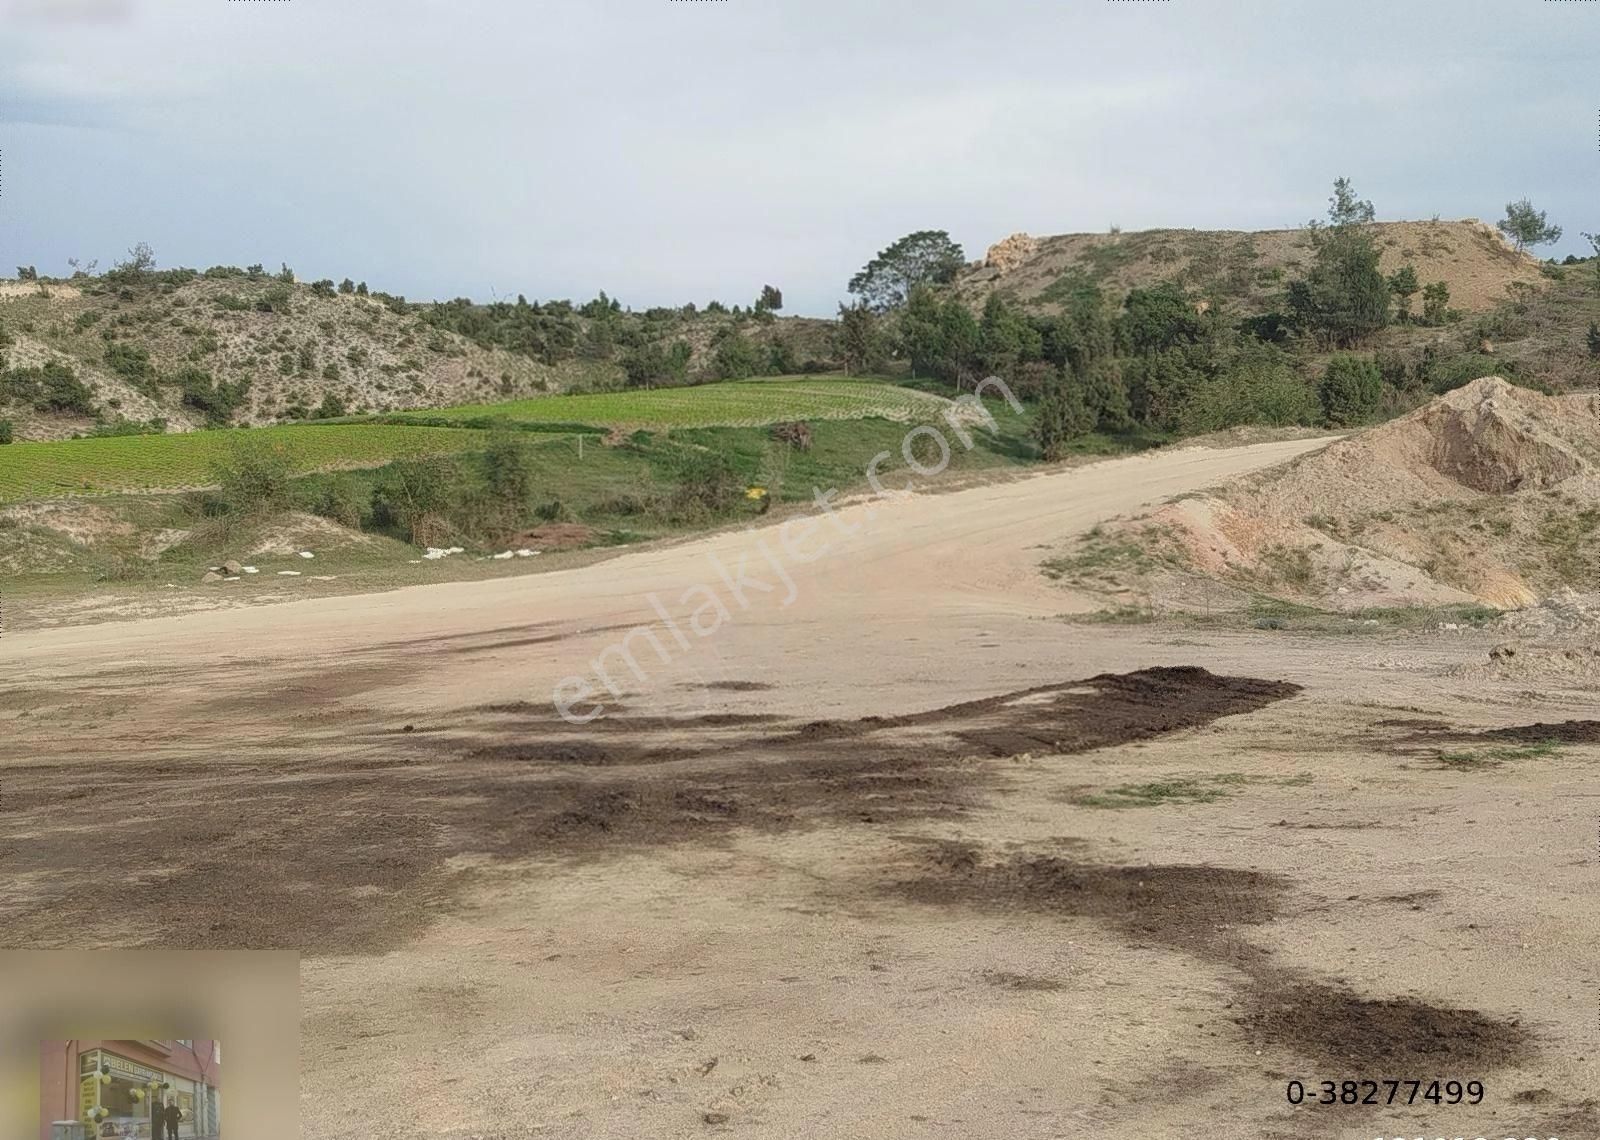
756,493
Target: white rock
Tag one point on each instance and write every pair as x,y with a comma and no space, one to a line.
526,553
235,578
307,554
289,573
322,578
505,554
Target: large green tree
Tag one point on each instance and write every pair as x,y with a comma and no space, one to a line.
927,257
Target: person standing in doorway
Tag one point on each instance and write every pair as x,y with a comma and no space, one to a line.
174,1114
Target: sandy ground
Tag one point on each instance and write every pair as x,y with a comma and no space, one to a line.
839,867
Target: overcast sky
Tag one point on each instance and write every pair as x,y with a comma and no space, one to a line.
673,150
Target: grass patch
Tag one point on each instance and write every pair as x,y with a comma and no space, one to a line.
729,404
1184,790
172,462
1480,758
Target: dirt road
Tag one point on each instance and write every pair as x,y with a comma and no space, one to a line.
870,845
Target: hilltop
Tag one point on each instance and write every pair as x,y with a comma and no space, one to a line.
1241,271
179,350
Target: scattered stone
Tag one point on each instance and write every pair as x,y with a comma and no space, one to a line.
211,576
289,573
504,554
808,1056
714,1117
250,569
307,554
230,567
705,1069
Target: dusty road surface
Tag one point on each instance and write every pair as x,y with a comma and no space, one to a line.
892,851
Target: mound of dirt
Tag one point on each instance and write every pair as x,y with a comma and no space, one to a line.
294,532
1488,495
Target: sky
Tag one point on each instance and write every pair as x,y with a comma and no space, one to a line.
675,150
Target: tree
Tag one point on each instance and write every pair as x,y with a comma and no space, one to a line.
27,273
1157,318
141,260
927,257
347,286
770,301
1006,340
1435,303
1345,298
1063,415
1526,226
858,340
735,358
6,431
1594,242
1350,390
1344,208
1594,339
1403,284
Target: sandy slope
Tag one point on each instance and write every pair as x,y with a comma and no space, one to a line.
708,913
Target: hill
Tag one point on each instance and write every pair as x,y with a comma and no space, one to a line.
1240,271
235,346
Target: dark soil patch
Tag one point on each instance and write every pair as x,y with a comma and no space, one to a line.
733,686
1186,907
1566,732
555,536
1332,1026
341,846
1199,909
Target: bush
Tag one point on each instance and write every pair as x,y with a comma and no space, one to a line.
416,496
254,478
1350,390
735,358
215,400
6,431
331,408
1257,392
55,387
341,500
707,484
508,469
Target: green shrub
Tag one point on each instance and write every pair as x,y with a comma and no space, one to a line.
331,408
1254,393
416,496
254,478
217,401
55,387
130,362
1350,390
342,500
6,431
735,358
707,484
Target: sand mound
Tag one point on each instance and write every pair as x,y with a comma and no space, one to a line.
1490,494
295,532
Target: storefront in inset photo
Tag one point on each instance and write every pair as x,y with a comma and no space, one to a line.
131,1090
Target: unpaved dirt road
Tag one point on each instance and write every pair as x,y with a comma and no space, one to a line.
905,856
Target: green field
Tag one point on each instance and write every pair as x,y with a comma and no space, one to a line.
171,462
735,403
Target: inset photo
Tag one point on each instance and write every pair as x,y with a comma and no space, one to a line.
132,1090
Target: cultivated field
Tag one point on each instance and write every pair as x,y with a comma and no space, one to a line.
738,403
172,462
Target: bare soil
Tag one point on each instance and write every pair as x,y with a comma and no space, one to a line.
837,869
